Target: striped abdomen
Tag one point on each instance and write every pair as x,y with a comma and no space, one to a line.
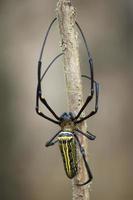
67,145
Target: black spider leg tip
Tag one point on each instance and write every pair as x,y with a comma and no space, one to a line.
91,74
88,135
96,102
90,177
91,136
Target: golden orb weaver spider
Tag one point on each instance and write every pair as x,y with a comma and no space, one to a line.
67,135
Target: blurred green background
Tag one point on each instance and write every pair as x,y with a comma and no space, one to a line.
28,170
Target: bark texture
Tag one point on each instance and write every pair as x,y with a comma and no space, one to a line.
69,42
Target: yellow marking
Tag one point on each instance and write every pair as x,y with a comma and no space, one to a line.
65,138
64,152
67,160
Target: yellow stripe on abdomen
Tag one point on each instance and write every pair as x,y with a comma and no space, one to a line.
68,150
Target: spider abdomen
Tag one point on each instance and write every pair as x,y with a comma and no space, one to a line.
67,145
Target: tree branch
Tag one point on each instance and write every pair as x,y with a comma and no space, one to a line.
69,38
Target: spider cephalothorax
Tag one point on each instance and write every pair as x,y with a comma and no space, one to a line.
68,122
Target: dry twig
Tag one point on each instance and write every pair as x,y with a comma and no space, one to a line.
69,37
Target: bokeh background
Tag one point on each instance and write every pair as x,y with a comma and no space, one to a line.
28,170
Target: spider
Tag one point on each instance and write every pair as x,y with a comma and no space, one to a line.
67,135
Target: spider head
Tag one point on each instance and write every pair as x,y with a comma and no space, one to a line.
66,116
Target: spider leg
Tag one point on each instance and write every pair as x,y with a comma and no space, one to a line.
44,116
44,42
96,104
89,135
37,99
39,92
91,74
51,64
85,162
51,142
